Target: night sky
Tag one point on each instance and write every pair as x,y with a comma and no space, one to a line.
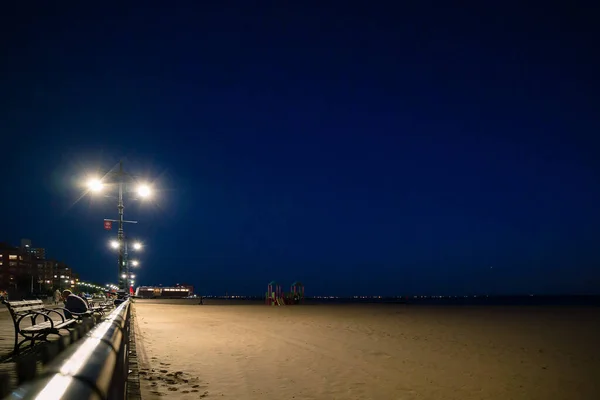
359,149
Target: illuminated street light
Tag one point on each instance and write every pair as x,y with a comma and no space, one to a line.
144,191
135,263
114,244
123,181
124,276
95,185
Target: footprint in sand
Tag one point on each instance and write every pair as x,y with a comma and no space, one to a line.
164,371
173,389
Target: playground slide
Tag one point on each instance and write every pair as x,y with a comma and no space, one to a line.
280,301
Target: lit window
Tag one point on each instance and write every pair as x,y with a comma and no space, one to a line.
0,262
62,276
12,257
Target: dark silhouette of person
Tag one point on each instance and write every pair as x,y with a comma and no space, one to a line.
73,304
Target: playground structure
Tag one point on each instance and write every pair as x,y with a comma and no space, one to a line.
276,297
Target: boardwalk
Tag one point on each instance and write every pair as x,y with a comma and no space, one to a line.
7,337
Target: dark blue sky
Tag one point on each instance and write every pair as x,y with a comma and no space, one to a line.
360,149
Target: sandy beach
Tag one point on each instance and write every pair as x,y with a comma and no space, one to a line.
387,352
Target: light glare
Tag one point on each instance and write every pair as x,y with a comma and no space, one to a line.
95,185
144,191
114,244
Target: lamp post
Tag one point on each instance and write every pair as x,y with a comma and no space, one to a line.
123,246
120,178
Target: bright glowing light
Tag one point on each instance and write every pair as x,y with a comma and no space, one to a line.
114,244
137,246
132,276
144,191
95,185
135,263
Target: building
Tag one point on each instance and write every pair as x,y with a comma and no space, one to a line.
190,288
36,252
22,270
153,292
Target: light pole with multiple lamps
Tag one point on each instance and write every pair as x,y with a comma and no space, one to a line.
123,246
122,179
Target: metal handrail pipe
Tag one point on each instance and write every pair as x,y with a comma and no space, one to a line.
86,370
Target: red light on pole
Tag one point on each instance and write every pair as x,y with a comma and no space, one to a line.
108,225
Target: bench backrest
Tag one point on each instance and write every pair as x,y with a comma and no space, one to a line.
24,306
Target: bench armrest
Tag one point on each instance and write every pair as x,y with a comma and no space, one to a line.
50,310
33,315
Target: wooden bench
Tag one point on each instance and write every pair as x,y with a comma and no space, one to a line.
99,307
38,331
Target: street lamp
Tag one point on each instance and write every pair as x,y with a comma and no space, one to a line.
122,179
95,185
125,271
114,244
144,191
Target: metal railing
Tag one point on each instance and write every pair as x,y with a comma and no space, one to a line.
93,368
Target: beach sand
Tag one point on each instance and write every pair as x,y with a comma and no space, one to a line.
387,352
